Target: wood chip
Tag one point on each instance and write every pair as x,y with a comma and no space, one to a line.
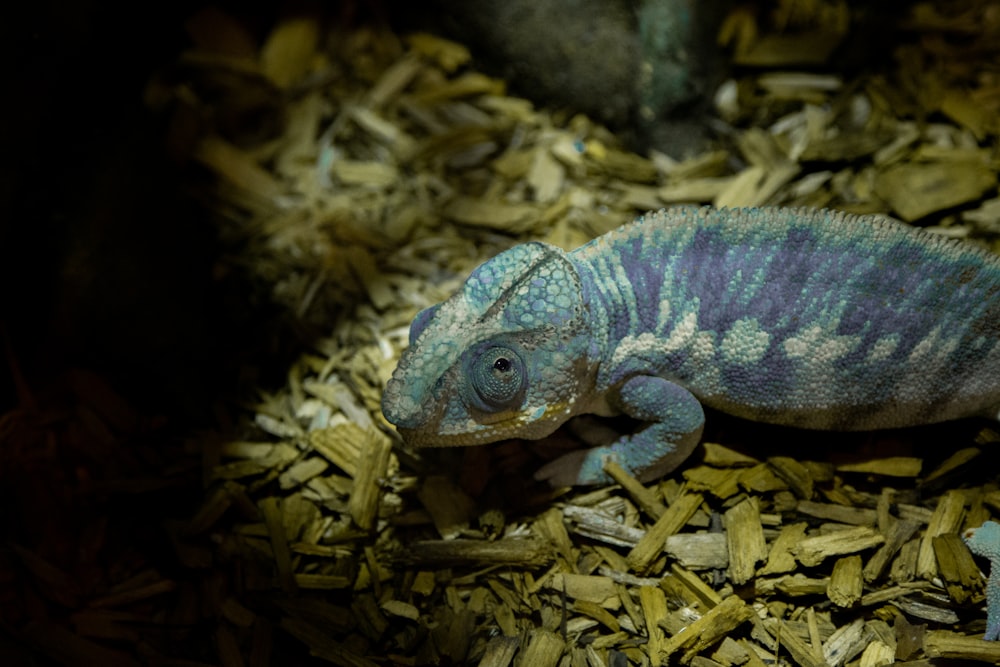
500,652
794,474
651,545
701,551
288,51
846,584
953,646
710,628
900,533
956,567
745,540
781,557
896,466
373,469
270,509
917,190
812,550
720,483
852,515
447,552
644,498
721,456
947,518
544,649
654,610
512,218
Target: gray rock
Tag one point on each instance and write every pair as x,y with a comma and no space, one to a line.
646,68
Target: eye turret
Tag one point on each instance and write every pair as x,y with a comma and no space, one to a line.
498,377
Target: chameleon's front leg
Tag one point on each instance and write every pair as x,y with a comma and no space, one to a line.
676,421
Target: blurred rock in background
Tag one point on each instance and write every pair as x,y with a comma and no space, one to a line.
646,68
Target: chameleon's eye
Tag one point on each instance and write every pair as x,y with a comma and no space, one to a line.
498,379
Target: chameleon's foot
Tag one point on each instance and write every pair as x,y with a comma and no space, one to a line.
985,541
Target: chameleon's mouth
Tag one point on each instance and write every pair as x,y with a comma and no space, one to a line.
529,425
418,438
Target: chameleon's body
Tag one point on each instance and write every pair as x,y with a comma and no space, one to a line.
802,317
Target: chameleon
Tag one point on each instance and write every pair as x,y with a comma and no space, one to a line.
803,317
985,541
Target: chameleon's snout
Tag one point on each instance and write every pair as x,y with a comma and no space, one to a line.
399,410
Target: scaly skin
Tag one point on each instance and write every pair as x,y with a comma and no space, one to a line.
801,317
985,541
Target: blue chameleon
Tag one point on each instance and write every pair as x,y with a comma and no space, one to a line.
803,317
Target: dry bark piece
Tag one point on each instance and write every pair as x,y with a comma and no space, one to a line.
643,497
745,540
440,553
373,469
716,623
341,444
301,472
654,609
850,515
544,648
699,551
587,588
895,466
603,527
953,646
761,479
796,585
270,509
957,568
651,545
721,456
288,50
720,483
256,187
813,550
801,653
947,518
500,651
448,55
899,534
369,174
846,584
781,558
917,190
847,642
960,458
904,566
546,177
512,218
878,653
794,474
936,613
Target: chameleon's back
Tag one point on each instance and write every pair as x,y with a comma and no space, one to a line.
799,316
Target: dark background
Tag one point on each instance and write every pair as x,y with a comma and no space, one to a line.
104,262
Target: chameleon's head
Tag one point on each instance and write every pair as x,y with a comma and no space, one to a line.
507,356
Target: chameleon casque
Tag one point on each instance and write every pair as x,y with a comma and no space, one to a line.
802,317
